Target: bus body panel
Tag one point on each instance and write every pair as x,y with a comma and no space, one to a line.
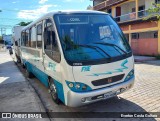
87,74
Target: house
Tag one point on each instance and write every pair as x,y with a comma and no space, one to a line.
143,35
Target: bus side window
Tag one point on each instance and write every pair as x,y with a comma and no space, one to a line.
50,41
27,38
23,39
33,37
39,36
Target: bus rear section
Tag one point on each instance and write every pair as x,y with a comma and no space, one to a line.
98,54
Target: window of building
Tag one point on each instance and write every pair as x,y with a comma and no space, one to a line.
39,36
148,35
156,35
50,41
33,37
135,35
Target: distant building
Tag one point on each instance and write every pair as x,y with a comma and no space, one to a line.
7,39
143,36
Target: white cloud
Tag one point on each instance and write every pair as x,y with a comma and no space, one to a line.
42,1
73,1
34,14
15,2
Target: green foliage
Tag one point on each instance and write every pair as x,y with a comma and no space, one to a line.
24,23
153,11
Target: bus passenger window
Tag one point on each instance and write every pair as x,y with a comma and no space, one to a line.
23,39
39,36
27,38
33,37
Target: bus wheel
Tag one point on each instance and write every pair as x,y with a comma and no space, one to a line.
28,73
53,91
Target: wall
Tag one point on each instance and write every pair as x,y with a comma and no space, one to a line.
146,46
148,3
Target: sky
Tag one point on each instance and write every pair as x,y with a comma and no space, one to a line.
15,11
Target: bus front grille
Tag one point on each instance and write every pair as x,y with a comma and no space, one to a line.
108,80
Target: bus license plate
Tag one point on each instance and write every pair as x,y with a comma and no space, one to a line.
109,94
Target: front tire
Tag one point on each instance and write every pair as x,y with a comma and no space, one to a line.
53,91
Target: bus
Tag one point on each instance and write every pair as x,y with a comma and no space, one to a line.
80,56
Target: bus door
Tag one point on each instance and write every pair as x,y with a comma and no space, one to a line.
51,53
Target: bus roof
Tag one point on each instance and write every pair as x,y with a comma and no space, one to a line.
62,12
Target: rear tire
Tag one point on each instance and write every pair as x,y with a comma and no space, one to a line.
53,91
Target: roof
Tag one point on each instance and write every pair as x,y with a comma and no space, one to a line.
63,12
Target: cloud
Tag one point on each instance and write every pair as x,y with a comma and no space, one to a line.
42,1
15,2
73,1
34,14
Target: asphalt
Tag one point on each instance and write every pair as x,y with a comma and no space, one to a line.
16,93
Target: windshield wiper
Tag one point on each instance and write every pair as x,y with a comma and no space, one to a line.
113,45
95,47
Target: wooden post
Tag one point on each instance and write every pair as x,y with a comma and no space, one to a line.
159,37
137,6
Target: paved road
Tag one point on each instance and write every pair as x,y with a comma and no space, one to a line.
16,94
143,97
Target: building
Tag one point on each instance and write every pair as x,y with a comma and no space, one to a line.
143,35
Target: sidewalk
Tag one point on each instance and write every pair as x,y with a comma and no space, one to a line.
143,58
16,94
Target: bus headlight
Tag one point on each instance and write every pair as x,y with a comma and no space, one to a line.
130,75
70,85
78,87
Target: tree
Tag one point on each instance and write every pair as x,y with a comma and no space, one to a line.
24,23
154,11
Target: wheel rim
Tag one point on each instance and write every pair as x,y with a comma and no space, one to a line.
53,90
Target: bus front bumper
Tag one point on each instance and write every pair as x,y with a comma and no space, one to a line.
78,99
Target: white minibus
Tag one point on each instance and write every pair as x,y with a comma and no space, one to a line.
81,56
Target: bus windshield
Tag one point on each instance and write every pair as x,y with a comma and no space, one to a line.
90,37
